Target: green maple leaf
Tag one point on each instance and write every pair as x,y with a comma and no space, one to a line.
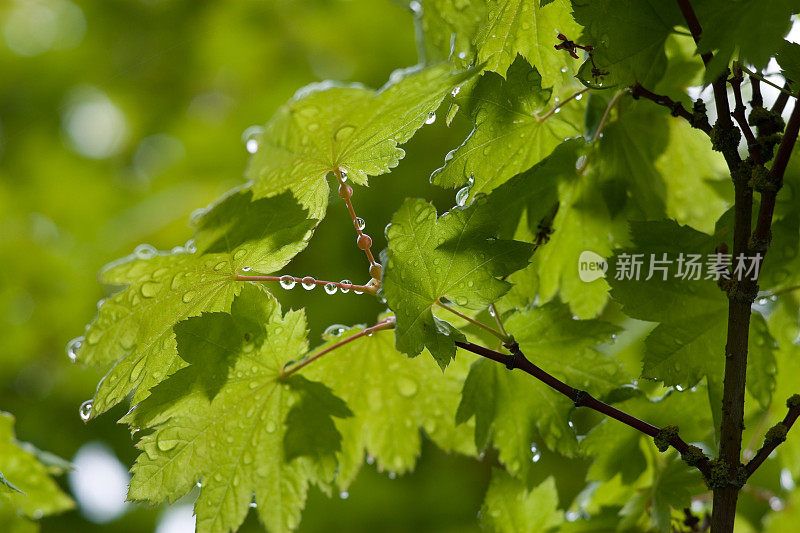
392,397
673,486
788,57
510,133
512,407
509,506
528,28
27,490
779,271
446,28
325,127
750,30
133,328
533,193
583,223
244,441
628,38
785,327
454,256
688,344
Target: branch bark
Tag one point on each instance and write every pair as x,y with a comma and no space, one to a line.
581,398
676,108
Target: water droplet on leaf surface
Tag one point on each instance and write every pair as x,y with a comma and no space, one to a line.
72,348
86,410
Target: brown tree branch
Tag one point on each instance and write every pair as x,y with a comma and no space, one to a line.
775,436
676,108
741,118
756,100
761,235
780,101
581,398
725,138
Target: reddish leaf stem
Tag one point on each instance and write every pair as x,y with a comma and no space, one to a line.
503,337
561,104
387,323
363,240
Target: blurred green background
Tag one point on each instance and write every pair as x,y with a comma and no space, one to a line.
117,120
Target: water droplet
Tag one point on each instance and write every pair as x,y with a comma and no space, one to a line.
253,505
343,175
166,440
491,311
455,91
136,371
370,460
461,196
270,427
558,110
563,69
392,475
431,118
86,410
360,224
72,348
250,138
188,296
535,453
287,282
334,330
579,97
190,246
347,282
407,387
245,269
308,283
149,289
144,251
330,288
344,132
344,495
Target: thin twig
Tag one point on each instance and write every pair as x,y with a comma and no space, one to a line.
775,436
756,100
560,104
496,315
604,118
501,336
579,397
761,234
783,90
363,240
739,114
387,323
676,108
